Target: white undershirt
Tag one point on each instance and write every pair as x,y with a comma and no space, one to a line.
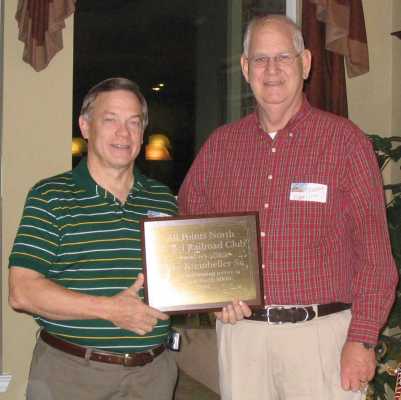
272,134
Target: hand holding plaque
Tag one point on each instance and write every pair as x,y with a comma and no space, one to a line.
234,312
202,263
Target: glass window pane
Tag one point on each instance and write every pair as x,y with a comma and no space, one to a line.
185,57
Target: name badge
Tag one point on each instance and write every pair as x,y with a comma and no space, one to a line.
303,191
157,214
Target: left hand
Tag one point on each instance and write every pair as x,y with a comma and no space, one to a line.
358,366
234,312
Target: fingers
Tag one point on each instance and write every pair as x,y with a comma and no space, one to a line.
157,314
138,283
143,323
352,380
142,319
354,383
246,311
151,311
345,381
129,312
371,369
234,312
219,316
357,366
229,314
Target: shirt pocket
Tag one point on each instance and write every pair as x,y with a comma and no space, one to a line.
306,222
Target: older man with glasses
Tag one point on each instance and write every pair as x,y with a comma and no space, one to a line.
329,275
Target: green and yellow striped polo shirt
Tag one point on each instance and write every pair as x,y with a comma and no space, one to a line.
80,236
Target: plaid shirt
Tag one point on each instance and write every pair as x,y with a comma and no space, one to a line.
334,247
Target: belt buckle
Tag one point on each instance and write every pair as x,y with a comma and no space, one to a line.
268,316
306,314
127,358
284,308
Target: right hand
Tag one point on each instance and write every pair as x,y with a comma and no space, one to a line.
129,312
232,313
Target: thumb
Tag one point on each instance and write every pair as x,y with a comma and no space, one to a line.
138,283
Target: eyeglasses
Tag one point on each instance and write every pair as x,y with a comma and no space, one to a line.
280,60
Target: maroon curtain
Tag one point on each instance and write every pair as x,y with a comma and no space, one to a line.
40,23
334,29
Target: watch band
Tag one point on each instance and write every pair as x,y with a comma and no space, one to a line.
368,346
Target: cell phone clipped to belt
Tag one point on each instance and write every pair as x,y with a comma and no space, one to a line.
173,341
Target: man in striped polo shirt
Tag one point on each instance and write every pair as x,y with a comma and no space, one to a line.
76,264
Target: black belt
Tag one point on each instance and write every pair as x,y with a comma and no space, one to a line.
128,359
283,314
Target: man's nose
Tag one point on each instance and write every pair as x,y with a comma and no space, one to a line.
122,129
271,64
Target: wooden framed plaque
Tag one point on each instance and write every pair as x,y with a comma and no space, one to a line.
202,262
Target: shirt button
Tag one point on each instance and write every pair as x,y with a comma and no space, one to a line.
265,297
290,134
263,266
262,234
270,177
273,149
266,205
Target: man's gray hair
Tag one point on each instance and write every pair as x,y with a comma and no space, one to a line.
297,37
110,85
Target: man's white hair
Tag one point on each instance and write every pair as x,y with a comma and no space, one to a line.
297,37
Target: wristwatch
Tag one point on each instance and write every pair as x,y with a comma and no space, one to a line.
368,346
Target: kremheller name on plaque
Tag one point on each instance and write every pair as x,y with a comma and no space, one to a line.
201,263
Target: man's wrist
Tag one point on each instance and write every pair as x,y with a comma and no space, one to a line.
368,346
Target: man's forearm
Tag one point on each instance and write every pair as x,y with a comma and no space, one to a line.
33,293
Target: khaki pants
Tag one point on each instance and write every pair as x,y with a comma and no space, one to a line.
283,362
55,375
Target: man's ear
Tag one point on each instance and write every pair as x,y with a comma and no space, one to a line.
306,63
84,126
245,67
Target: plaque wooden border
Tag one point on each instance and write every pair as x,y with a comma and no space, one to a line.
154,256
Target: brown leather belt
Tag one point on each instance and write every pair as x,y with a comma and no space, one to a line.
283,314
127,359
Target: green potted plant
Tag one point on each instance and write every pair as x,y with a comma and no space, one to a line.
388,151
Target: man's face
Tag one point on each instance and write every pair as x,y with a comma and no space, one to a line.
114,130
273,83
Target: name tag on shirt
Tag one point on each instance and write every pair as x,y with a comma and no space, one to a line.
156,214
303,191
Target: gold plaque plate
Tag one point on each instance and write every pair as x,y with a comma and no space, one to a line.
201,263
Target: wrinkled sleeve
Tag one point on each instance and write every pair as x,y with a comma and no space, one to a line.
375,274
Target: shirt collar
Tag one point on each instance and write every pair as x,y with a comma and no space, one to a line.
83,178
302,113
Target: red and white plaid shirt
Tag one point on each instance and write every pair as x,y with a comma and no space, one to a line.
335,249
